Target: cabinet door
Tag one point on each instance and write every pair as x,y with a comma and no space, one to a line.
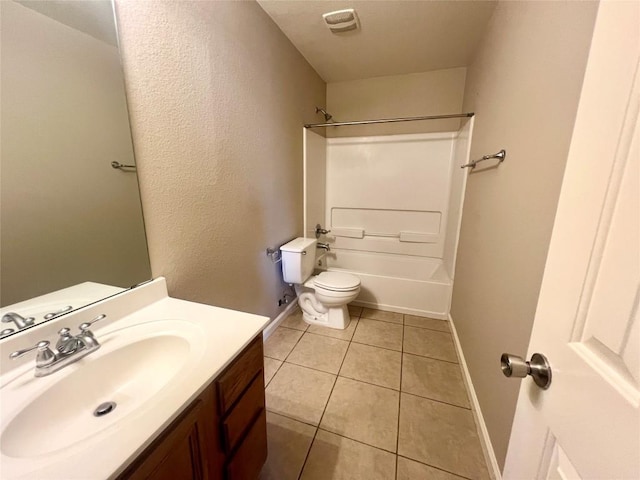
183,452
248,460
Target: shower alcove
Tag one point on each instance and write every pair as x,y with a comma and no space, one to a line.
393,204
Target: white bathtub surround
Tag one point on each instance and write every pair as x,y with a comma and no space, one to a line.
393,204
212,338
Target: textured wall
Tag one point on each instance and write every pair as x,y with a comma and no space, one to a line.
429,93
524,85
218,96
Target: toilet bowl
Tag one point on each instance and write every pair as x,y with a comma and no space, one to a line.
322,298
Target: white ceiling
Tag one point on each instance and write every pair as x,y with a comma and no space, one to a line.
396,36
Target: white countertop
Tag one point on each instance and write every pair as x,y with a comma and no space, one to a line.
218,336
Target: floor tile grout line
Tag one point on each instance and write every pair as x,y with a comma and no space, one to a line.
369,383
379,320
431,330
402,353
326,404
433,466
317,429
396,476
438,401
337,375
402,347
325,407
306,457
371,345
291,418
333,388
358,441
325,336
431,358
313,368
289,328
323,412
274,373
427,328
294,347
400,395
349,342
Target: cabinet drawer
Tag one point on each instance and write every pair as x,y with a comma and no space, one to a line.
236,378
250,405
248,460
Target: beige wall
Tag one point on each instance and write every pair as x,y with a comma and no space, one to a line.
67,216
524,85
428,93
218,96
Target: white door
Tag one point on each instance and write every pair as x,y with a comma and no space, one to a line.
587,424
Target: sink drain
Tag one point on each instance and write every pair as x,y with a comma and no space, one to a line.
104,408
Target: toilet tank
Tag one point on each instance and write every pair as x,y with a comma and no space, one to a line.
298,259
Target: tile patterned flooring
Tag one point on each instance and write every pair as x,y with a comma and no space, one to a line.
383,399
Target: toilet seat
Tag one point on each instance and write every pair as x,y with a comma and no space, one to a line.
337,282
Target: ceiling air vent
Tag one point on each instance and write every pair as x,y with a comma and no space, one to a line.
341,20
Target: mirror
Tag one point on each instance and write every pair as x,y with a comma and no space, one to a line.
71,224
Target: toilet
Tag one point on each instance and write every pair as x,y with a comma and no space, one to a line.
323,298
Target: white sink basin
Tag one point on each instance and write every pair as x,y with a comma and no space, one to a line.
127,376
131,368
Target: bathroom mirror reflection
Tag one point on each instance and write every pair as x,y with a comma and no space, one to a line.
72,230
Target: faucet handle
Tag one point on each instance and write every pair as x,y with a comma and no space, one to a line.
84,327
67,342
44,357
65,333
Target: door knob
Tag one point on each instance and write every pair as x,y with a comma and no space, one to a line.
538,367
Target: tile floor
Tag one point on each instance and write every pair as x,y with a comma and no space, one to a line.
383,399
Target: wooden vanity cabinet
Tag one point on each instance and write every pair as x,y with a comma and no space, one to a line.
222,435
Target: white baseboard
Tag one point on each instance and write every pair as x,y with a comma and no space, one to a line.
485,440
269,329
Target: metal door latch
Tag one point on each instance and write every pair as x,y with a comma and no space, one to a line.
538,367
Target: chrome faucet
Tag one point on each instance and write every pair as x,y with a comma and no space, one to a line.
18,319
323,245
69,349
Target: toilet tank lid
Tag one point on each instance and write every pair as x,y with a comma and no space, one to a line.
298,244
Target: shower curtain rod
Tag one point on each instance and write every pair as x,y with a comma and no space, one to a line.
388,120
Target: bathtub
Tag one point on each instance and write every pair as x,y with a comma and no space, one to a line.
397,283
